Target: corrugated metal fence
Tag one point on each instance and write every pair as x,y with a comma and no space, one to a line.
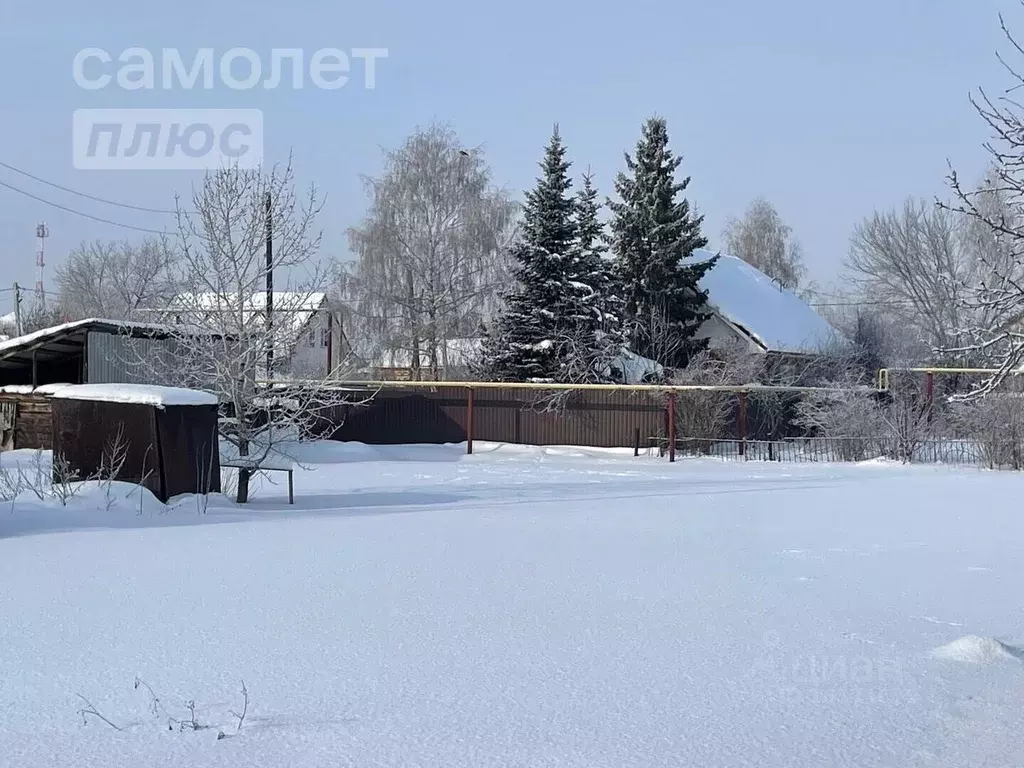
613,418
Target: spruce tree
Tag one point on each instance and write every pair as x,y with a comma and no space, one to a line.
594,310
654,235
523,341
593,267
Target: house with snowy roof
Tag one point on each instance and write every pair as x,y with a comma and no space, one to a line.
749,311
451,360
309,334
752,310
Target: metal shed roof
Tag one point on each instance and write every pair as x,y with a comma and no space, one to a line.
68,340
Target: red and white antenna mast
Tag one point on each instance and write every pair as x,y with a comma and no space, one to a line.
42,232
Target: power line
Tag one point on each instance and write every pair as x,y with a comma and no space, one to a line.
83,194
79,213
891,303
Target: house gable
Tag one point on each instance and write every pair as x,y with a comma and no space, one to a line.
750,305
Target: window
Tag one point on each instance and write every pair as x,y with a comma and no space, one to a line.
324,337
312,337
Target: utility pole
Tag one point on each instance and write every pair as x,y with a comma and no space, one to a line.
269,209
17,311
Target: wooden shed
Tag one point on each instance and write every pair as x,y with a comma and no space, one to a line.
164,438
25,417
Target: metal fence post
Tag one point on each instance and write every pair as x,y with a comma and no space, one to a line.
929,393
671,426
469,420
743,424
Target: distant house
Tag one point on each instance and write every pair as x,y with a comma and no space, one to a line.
752,310
748,309
309,334
455,361
451,361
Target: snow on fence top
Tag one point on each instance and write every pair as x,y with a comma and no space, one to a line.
779,320
140,394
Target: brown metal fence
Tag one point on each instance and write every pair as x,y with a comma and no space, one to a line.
639,418
598,418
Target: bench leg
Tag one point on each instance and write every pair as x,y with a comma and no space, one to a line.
291,495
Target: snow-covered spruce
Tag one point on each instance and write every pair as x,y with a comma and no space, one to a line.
654,237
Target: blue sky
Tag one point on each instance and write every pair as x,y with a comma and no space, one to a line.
828,110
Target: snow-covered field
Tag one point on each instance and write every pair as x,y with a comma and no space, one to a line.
523,607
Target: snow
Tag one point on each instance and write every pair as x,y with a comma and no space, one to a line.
972,649
635,368
779,320
294,307
28,389
18,341
262,458
58,330
520,607
49,389
136,393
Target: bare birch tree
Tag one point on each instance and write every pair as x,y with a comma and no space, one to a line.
116,279
879,337
702,416
763,240
995,215
432,248
224,339
909,263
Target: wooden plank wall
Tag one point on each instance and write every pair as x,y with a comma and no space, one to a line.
34,421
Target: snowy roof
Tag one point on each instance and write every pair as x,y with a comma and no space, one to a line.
776,319
58,330
299,306
136,393
293,311
69,338
28,389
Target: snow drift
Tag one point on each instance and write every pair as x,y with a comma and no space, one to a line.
972,649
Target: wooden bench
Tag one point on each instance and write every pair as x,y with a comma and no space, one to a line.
267,465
